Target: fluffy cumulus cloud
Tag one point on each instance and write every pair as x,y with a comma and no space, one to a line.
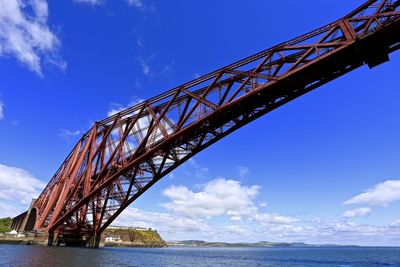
171,225
360,212
225,198
226,210
275,228
381,194
18,185
177,227
25,35
219,196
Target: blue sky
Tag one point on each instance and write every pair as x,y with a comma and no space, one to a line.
321,169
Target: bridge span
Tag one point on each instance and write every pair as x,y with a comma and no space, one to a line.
122,156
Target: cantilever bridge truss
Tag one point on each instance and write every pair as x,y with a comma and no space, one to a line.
122,156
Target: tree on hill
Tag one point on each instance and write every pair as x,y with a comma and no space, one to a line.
5,224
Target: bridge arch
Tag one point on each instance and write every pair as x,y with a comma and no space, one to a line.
122,156
31,220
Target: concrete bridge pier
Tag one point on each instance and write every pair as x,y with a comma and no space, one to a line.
95,242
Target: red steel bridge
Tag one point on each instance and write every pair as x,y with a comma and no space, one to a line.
122,156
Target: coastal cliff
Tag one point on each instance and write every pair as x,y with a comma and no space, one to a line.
112,236
132,237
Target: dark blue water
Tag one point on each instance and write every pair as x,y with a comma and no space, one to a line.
53,256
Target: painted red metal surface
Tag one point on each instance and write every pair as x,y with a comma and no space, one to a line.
122,156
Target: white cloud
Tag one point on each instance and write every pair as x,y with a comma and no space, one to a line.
150,69
176,227
167,71
1,110
18,185
266,219
91,2
136,3
360,212
140,42
116,107
145,63
192,217
25,35
236,218
381,194
226,210
199,171
219,196
275,228
68,134
171,225
342,230
243,171
263,204
395,224
8,210
222,197
332,231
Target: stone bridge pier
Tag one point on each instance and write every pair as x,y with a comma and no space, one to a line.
25,222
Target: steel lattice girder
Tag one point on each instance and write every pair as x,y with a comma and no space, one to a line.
121,157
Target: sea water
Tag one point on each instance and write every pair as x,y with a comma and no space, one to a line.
22,255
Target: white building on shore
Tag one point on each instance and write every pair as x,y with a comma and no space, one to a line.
113,238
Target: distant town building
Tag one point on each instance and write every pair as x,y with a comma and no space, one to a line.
138,228
113,238
141,228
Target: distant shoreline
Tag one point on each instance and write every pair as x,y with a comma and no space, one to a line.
174,245
261,244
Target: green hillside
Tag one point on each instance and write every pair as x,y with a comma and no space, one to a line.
147,238
5,224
